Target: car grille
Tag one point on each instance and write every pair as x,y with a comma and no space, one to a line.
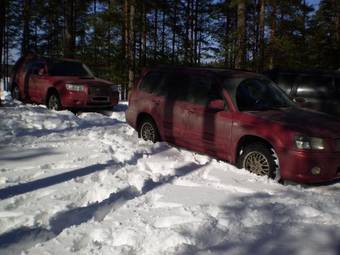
337,144
100,91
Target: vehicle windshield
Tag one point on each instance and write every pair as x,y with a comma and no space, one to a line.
68,68
260,95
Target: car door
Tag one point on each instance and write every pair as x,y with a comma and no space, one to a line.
208,130
37,82
174,107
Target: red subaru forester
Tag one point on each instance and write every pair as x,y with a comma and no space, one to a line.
60,84
237,116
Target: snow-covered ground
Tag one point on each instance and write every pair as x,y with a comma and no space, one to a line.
87,185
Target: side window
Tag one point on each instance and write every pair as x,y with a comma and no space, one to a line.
28,66
203,89
286,82
175,86
315,87
151,81
38,68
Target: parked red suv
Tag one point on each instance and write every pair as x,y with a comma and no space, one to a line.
237,116
60,83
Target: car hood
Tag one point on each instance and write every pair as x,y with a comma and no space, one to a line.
80,80
304,121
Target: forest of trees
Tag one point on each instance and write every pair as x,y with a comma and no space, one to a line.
117,38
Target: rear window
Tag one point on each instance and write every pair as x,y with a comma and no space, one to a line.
315,86
151,81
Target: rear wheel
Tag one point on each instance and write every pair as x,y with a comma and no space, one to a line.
15,92
148,130
53,102
259,159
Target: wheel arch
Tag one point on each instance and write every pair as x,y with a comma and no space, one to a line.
251,139
50,91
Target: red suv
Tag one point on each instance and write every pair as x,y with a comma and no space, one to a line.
60,83
237,116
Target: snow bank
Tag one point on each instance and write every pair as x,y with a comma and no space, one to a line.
87,185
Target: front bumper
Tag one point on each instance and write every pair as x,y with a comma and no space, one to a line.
297,166
82,100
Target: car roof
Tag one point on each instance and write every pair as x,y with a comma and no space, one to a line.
312,72
230,73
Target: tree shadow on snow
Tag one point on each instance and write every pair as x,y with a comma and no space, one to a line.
24,237
11,155
259,224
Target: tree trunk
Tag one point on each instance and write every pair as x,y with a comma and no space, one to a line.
2,34
26,30
227,34
174,28
272,35
144,35
337,20
187,32
196,28
261,36
155,33
69,37
131,46
241,35
163,34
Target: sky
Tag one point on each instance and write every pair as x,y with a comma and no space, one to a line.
314,2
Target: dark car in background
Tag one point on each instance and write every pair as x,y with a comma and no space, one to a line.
317,90
60,84
237,116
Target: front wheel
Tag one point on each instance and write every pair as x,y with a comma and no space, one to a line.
259,159
148,130
53,102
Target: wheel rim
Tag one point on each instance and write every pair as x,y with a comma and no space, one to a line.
257,163
53,103
148,132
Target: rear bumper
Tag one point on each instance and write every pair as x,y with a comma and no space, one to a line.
81,100
297,165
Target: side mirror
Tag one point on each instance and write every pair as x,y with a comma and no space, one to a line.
299,100
216,105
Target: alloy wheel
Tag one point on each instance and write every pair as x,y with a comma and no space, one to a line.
148,132
53,103
257,163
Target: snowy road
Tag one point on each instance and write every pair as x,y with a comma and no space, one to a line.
87,185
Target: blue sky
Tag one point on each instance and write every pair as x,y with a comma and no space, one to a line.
316,2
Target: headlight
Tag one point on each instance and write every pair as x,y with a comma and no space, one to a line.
75,87
309,143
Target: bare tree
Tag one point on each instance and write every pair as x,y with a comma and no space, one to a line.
26,14
272,34
69,29
261,36
241,35
2,33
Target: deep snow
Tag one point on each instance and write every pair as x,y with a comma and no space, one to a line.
87,185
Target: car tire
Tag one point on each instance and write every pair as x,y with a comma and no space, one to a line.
15,93
259,159
148,130
53,102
